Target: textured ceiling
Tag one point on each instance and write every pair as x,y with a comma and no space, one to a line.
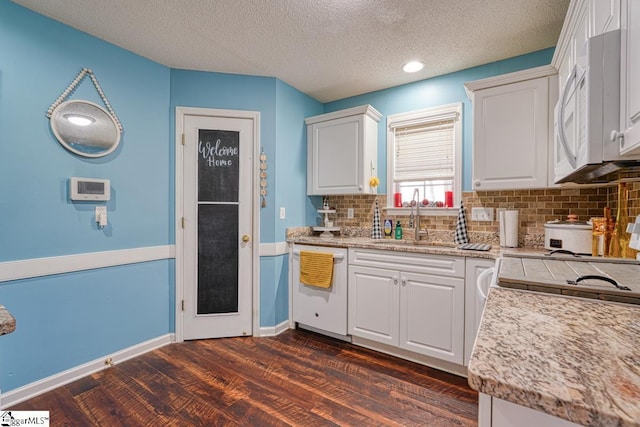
328,49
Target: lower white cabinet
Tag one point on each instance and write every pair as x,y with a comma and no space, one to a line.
374,304
496,412
411,301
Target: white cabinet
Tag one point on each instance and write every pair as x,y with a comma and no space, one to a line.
411,301
342,151
511,122
473,304
501,413
604,15
374,304
432,315
324,309
629,82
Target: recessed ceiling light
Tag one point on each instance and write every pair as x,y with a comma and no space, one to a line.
412,67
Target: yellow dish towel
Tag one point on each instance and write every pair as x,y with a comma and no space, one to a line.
316,268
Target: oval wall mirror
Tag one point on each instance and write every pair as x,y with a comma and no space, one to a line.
85,128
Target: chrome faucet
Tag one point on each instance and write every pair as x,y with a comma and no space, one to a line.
416,224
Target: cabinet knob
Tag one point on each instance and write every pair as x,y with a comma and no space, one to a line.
360,187
395,280
317,315
404,282
477,183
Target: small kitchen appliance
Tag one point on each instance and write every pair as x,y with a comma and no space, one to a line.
569,235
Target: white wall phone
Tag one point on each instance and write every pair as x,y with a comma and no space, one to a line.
89,189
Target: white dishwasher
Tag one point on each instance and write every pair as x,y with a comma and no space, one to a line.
319,308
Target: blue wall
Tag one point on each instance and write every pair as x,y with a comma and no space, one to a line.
39,58
69,319
433,92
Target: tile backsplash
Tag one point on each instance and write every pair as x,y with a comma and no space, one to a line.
535,206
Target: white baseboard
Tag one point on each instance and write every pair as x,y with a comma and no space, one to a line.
346,338
442,365
34,389
272,331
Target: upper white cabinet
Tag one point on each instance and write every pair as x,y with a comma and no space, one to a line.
629,78
342,151
512,118
604,15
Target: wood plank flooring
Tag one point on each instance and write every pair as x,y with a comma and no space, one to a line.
297,378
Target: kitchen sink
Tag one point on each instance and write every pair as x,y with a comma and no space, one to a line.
426,243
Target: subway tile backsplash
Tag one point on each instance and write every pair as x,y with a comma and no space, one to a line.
535,206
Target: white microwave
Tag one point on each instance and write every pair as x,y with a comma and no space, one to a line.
587,112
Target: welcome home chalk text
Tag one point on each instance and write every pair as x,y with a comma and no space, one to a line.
217,154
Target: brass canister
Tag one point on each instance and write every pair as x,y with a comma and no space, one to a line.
599,228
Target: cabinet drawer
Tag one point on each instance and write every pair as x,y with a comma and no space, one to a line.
440,265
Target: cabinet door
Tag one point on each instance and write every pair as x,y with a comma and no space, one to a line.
510,136
373,304
336,156
472,302
604,15
630,83
432,316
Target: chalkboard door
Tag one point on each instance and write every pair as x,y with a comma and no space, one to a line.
217,191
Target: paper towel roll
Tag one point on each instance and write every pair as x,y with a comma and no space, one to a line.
508,228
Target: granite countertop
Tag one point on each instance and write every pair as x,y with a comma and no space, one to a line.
426,247
573,358
7,321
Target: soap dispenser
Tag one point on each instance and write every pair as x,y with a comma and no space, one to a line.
398,231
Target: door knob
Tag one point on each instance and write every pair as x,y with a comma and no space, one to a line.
245,238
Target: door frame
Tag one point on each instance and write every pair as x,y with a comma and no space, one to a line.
181,112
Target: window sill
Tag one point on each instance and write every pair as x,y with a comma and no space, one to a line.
424,211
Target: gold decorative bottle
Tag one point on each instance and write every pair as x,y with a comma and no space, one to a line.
620,238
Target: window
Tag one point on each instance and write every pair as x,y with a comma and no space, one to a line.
424,151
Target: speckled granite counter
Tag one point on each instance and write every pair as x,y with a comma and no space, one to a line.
436,248
7,322
573,358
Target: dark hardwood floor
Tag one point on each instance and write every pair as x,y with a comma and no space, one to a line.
297,378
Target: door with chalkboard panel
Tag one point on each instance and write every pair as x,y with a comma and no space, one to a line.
217,206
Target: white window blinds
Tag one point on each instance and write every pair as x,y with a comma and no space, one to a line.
424,150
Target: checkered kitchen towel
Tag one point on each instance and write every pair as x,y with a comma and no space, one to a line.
376,229
461,226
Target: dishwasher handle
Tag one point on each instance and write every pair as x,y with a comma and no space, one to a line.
338,257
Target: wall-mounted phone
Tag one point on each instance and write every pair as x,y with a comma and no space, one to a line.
89,189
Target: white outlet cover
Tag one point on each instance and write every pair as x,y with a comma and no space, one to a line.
481,214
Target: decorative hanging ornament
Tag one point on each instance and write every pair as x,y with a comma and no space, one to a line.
263,178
